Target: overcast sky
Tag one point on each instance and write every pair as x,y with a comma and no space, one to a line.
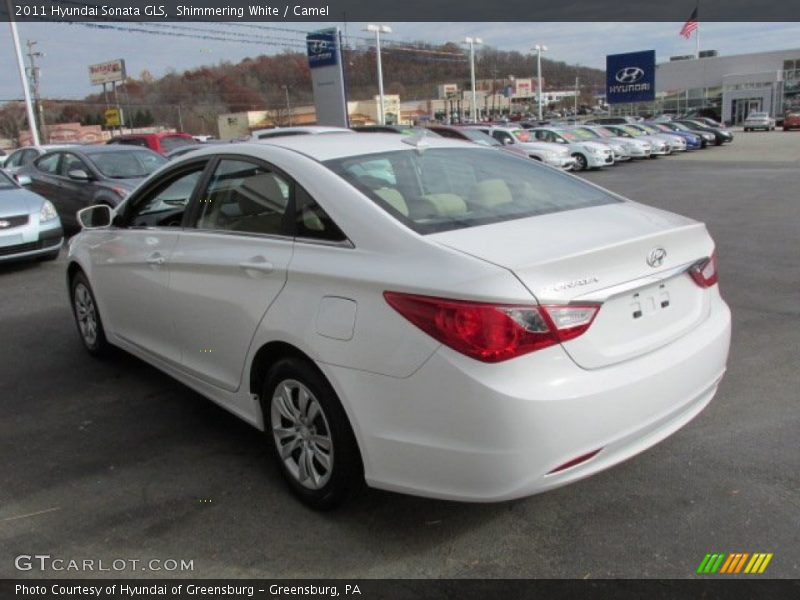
69,49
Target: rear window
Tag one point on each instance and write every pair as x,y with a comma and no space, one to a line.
171,142
131,164
442,189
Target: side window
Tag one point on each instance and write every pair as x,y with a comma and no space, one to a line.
312,222
72,163
49,163
28,156
164,206
243,196
14,160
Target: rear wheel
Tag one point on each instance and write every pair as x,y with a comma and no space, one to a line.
310,434
87,317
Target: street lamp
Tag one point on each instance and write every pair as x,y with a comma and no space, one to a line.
472,41
288,105
378,30
539,49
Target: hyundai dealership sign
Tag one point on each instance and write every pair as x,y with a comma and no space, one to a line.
327,77
631,77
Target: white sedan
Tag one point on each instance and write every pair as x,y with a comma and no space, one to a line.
587,154
426,315
759,120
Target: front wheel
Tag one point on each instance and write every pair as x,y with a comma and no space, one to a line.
310,434
581,164
87,317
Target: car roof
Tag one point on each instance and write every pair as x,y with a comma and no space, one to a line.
327,147
310,130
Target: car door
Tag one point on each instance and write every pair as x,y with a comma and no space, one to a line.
75,194
229,265
44,178
131,266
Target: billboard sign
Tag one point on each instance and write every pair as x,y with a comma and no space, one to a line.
113,117
327,77
322,48
523,88
631,77
113,70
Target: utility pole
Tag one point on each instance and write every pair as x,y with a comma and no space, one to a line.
21,67
470,41
575,114
288,104
377,30
33,74
539,48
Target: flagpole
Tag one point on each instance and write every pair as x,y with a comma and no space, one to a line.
697,41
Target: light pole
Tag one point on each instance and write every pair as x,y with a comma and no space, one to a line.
472,41
288,105
378,30
539,49
23,78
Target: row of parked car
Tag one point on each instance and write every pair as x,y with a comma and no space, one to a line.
60,180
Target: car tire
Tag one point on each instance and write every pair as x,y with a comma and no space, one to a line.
746,129
87,317
317,453
581,163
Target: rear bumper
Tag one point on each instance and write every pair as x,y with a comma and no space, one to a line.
463,430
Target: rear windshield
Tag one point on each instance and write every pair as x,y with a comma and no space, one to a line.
479,137
130,164
171,142
442,189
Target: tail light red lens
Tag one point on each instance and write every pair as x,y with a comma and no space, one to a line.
704,272
493,332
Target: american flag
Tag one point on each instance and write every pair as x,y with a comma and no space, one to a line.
690,25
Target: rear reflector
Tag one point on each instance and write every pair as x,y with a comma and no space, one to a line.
575,461
493,332
704,272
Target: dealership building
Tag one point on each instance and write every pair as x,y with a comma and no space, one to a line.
734,85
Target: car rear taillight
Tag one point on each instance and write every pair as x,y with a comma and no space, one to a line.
493,332
704,272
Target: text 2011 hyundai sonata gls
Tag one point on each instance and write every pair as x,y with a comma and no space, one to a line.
427,315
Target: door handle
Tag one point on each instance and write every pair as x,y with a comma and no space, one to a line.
257,263
155,259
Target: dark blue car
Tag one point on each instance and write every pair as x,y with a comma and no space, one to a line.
693,141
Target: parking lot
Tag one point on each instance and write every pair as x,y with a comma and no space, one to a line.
113,459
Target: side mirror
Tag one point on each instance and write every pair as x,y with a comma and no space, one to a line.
78,175
94,217
24,180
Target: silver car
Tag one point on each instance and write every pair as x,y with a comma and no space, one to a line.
759,120
29,224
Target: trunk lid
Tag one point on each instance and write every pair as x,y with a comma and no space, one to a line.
600,254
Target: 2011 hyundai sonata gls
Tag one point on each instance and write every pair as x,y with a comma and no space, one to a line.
427,315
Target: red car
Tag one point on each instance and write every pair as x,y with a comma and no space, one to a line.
162,142
791,121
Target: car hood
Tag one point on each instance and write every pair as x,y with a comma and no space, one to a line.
19,202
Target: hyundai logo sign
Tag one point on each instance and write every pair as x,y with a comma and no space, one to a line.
321,48
630,77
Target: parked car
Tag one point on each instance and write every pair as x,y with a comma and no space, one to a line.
29,224
587,154
81,176
675,141
475,135
706,137
658,146
693,140
22,157
3,157
181,150
612,120
514,136
264,134
162,142
617,147
759,120
721,136
404,129
634,147
791,120
428,316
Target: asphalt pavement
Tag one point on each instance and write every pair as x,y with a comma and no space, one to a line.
114,460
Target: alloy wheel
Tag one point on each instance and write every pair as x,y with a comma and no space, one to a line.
86,314
302,434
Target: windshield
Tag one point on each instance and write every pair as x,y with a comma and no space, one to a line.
442,189
650,128
170,142
632,130
128,164
6,183
479,137
585,134
567,135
